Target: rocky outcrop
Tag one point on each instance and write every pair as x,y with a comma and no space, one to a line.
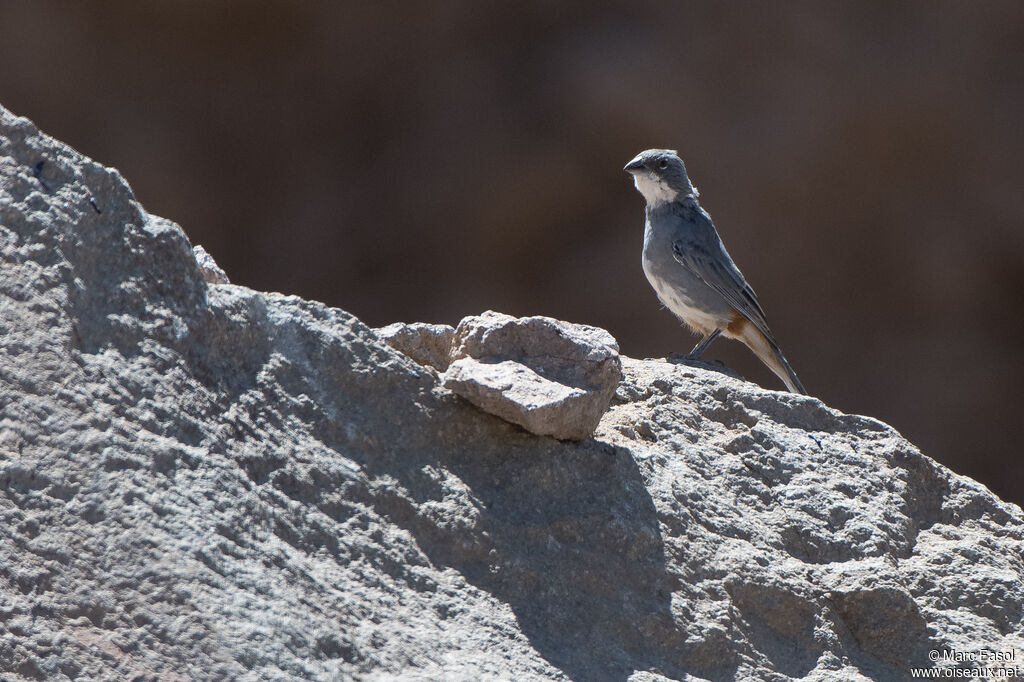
200,481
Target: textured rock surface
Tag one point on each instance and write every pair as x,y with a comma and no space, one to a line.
428,344
519,395
206,482
208,268
553,378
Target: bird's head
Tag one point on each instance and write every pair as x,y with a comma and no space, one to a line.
660,176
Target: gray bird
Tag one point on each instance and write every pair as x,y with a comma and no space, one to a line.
687,264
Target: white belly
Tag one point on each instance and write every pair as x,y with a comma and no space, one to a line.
684,307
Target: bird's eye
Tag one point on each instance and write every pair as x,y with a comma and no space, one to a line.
663,164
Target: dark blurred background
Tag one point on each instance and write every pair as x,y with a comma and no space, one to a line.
426,161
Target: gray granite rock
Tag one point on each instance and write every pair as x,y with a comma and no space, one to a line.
553,378
208,482
519,395
429,345
211,272
573,354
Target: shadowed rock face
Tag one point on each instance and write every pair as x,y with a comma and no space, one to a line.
209,482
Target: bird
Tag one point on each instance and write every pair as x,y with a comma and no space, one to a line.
689,269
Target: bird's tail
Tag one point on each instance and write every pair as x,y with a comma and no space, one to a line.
768,352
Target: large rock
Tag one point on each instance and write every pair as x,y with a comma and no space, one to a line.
207,482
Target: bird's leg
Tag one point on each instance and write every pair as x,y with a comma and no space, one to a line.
702,345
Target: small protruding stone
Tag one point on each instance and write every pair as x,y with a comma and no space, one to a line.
553,378
427,344
517,394
211,272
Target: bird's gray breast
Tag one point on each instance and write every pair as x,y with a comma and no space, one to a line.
682,292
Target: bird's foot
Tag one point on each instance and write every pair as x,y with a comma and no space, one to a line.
684,358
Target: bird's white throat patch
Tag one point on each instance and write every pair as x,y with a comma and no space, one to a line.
655,190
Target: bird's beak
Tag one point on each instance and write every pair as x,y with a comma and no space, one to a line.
634,165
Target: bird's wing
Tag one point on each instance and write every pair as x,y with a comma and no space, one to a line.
708,260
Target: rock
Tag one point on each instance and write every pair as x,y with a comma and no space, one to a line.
553,378
208,482
519,395
211,272
429,345
574,354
